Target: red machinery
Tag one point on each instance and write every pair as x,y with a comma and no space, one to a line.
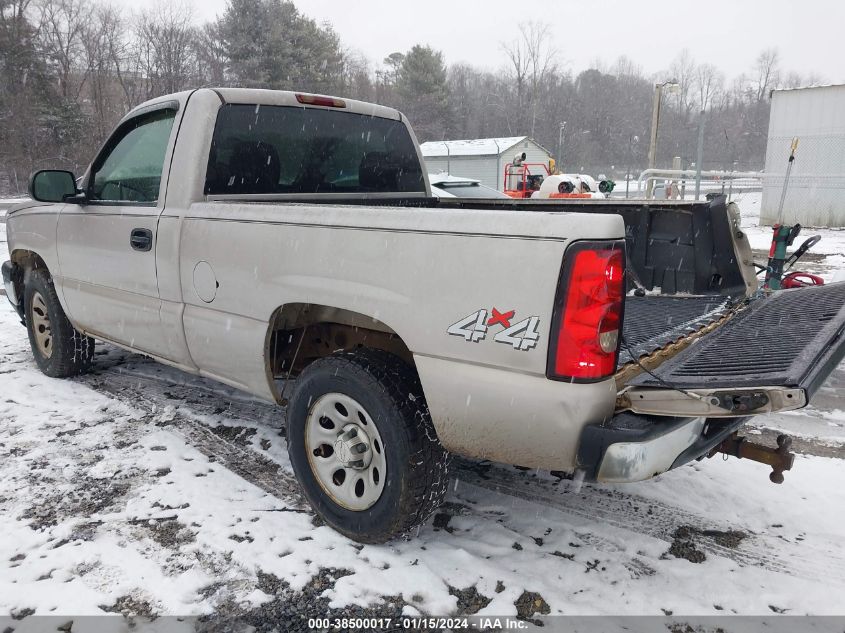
523,179
799,280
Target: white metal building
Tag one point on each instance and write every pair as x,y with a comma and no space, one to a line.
483,158
816,190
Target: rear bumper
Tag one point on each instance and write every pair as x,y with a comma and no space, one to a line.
9,283
635,447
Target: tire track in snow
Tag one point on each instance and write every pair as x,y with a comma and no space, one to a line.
618,510
245,462
641,515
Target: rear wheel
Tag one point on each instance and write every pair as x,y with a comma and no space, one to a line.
363,447
59,349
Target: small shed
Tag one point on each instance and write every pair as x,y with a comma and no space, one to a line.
483,159
816,190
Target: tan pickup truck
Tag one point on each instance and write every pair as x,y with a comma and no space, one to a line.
255,237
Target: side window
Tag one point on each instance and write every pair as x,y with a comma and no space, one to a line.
129,168
295,150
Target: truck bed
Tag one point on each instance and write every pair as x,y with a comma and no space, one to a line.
653,321
674,247
792,338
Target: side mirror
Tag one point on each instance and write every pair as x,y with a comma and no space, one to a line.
52,185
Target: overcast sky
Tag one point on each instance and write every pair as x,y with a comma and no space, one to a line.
727,33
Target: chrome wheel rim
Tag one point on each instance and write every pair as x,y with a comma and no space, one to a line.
40,319
345,451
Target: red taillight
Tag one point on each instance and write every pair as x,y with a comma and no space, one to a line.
588,312
330,102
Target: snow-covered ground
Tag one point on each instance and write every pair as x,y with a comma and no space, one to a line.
826,258
5,203
138,489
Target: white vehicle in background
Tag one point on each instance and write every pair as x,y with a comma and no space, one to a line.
568,186
447,186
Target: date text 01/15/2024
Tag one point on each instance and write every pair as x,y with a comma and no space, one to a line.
522,335
477,623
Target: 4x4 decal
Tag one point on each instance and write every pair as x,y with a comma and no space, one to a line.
474,327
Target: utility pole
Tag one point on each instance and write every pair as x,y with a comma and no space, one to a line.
632,140
655,122
562,127
699,155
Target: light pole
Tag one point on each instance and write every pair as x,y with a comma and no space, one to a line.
633,139
699,155
562,127
655,122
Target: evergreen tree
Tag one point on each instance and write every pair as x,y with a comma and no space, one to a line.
423,92
270,44
243,28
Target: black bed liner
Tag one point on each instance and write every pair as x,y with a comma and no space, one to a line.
676,246
653,321
793,338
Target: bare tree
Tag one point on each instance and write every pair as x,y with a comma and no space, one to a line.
165,49
797,80
518,57
767,73
355,75
104,46
625,67
683,70
62,33
532,57
708,83
542,54
211,55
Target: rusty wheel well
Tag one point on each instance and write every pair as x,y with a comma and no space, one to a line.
28,259
26,262
300,333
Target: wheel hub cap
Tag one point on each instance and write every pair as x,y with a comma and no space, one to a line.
40,319
345,451
353,447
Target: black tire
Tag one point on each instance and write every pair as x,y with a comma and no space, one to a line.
70,352
417,465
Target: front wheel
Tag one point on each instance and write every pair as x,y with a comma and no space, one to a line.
59,349
363,447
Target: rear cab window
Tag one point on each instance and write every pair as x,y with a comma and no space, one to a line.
297,150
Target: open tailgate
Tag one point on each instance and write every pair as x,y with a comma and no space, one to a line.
770,356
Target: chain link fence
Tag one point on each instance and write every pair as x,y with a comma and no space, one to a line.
815,193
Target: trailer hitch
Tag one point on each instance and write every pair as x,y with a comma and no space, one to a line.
780,458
